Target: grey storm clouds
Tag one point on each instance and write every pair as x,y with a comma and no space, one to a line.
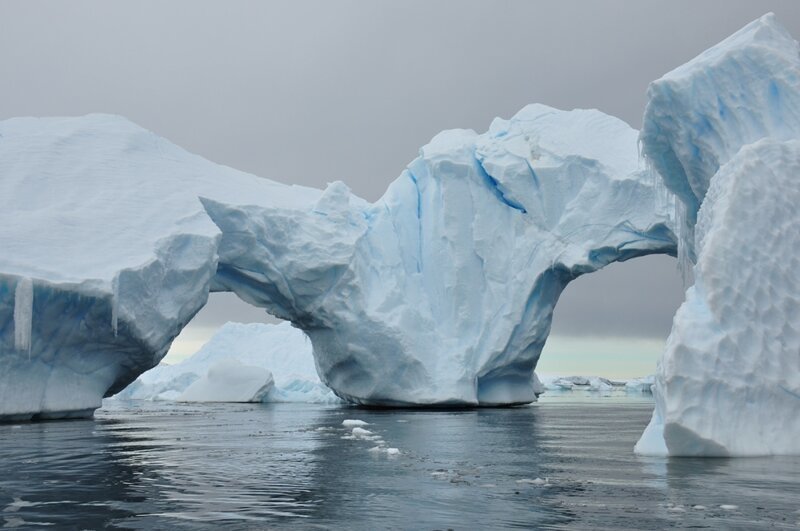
310,92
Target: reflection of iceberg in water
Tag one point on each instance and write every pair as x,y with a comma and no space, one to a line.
287,465
222,463
163,467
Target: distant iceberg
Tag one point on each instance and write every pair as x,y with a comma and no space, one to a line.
256,362
596,384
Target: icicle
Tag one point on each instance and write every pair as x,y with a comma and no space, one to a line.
663,199
667,201
115,304
23,315
685,241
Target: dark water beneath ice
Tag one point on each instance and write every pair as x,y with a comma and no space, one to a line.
160,466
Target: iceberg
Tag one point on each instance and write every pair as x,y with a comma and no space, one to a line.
228,380
595,385
440,293
107,255
278,349
724,133
641,385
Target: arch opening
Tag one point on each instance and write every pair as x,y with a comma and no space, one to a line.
614,322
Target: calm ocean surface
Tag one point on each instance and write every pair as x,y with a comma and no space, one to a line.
166,466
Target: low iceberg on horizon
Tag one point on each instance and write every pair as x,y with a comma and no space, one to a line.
596,385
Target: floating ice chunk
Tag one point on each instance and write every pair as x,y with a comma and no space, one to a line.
353,423
537,481
729,507
361,433
388,451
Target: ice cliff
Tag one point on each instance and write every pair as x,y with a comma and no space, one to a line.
724,133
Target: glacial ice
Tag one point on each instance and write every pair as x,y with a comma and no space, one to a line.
228,380
442,291
280,349
729,380
107,253
122,235
724,133
699,115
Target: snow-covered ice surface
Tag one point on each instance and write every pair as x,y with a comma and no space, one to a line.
279,349
719,131
442,291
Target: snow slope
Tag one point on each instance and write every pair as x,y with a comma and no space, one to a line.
281,349
716,129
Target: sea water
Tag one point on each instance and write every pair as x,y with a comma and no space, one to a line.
560,463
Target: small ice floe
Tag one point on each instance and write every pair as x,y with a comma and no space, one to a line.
402,421
384,450
728,507
537,481
361,433
699,507
677,509
354,423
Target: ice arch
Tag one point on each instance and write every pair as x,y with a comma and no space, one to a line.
441,292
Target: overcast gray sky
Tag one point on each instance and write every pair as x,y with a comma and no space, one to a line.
314,91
